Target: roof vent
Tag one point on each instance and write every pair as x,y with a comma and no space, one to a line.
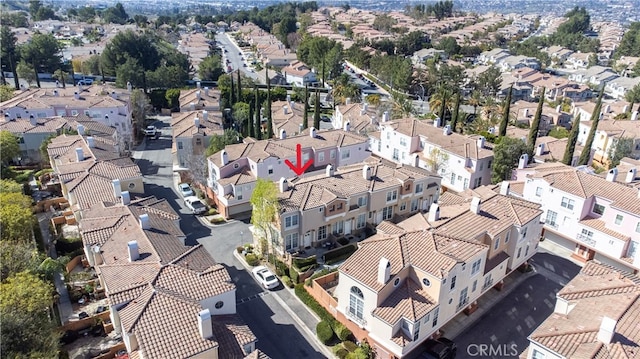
329,171
196,122
198,84
480,142
33,121
524,159
285,110
504,188
205,115
126,198
224,157
540,149
607,329
631,175
133,250
434,212
117,189
347,126
384,270
198,96
81,130
475,205
283,184
611,175
312,132
446,130
385,116
129,86
79,154
206,91
91,142
205,326
366,172
76,95
283,134
144,221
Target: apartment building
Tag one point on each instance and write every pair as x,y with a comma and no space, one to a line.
298,74
234,171
357,117
345,200
595,316
594,217
409,279
462,161
192,132
287,117
199,99
165,299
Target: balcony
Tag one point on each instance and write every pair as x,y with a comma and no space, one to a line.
586,239
462,304
487,285
352,317
553,225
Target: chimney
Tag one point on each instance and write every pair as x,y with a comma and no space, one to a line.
204,324
434,212
558,109
196,122
33,120
625,109
81,130
631,175
114,95
117,190
607,109
384,270
80,88
205,115
76,95
283,185
446,130
198,96
524,159
129,87
192,106
300,128
79,154
224,157
366,172
475,205
285,110
347,101
91,142
206,90
312,132
611,175
198,85
504,188
283,134
526,112
329,171
634,116
540,149
144,221
436,122
607,329
480,142
288,98
55,93
57,84
125,198
134,252
385,116
347,126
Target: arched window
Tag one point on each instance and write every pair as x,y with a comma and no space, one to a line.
356,302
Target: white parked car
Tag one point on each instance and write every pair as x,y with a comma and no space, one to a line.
267,279
185,190
195,205
150,131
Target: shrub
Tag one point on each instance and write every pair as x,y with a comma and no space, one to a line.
342,332
350,346
340,351
294,274
281,267
339,252
343,241
324,332
212,212
287,281
252,259
217,220
303,264
240,249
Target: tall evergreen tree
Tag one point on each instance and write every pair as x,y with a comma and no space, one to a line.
502,131
239,96
571,142
535,127
257,131
250,122
316,111
305,116
443,110
595,119
269,115
232,93
456,111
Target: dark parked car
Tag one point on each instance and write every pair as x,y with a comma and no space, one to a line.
100,309
441,348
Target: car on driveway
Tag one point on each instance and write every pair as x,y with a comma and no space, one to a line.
195,205
267,279
150,131
185,190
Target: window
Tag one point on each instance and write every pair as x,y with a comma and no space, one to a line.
453,179
362,201
419,187
198,141
332,154
387,213
132,185
488,281
345,153
466,183
270,170
453,283
475,267
618,219
598,209
526,251
414,205
291,221
322,232
219,304
305,157
506,238
435,317
321,157
403,142
481,166
638,227
338,227
497,243
403,206
180,145
538,191
478,182
426,282
238,192
463,297
523,233
392,195
537,354
396,282
474,286
519,252
291,241
567,203
356,302
396,154
551,219
388,135
339,206
361,222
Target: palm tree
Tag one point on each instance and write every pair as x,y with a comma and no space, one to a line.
475,100
402,107
442,96
373,99
343,89
490,110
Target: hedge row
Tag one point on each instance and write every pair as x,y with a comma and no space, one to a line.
310,302
305,263
324,332
339,252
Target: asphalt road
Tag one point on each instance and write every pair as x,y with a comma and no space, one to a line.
503,331
234,55
268,320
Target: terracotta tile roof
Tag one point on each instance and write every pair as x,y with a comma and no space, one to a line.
165,325
517,188
127,294
232,335
43,125
195,285
409,300
600,225
257,354
196,259
183,124
90,189
124,276
597,291
581,184
90,97
244,176
359,120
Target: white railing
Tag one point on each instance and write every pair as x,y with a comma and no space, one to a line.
354,318
586,239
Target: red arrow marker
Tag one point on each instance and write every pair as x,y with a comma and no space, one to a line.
299,168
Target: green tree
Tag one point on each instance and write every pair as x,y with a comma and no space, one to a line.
129,45
632,96
456,112
10,186
264,201
25,292
9,147
621,147
40,12
567,159
343,89
257,129
6,93
25,334
26,72
14,19
489,81
241,116
384,23
115,15
167,77
219,142
16,217
43,53
502,131
585,156
140,106
268,107
18,257
63,77
449,45
9,54
173,97
535,126
316,111
239,86
305,115
321,53
505,158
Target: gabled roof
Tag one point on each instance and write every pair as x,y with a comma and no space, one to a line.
409,300
184,124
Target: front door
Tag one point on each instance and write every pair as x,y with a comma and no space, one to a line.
347,226
306,242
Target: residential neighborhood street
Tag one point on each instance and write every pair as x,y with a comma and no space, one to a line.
263,313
